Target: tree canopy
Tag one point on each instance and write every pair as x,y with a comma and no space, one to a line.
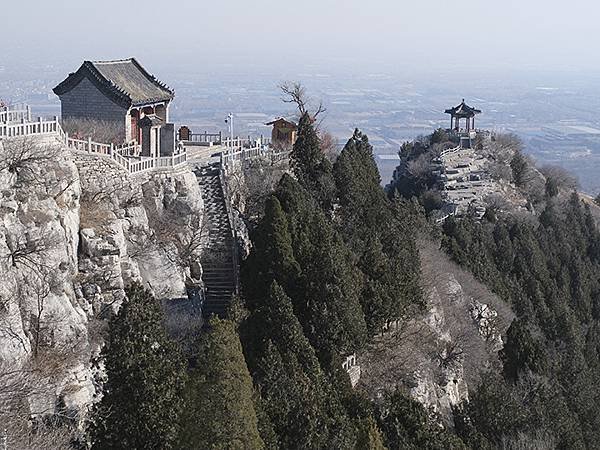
141,400
219,407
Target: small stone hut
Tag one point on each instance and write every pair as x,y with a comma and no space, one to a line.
284,131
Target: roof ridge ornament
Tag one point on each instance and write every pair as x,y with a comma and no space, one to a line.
463,110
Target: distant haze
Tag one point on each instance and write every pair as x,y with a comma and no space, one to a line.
409,36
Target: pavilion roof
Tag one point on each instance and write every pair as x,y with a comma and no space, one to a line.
463,110
125,81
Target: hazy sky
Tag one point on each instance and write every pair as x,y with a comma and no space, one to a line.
423,34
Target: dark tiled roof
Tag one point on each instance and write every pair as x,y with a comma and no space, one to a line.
463,110
282,121
125,81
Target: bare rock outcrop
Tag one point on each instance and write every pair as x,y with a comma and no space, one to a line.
75,229
438,355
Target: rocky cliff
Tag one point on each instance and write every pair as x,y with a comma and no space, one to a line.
74,230
437,356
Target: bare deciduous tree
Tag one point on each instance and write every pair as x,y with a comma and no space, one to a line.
26,156
102,131
36,424
30,159
561,177
497,202
329,145
27,428
295,93
181,242
31,251
538,440
253,184
421,167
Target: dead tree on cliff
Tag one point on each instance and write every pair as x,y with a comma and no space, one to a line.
295,93
180,241
37,166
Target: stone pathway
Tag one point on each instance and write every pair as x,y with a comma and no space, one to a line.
217,257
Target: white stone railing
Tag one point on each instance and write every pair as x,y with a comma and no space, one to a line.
15,113
204,139
121,160
143,164
229,158
236,142
247,143
172,161
8,130
88,146
126,155
450,150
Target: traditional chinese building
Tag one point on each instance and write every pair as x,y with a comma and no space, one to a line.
284,131
123,93
460,112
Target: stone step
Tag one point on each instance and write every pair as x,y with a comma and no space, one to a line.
218,283
220,289
217,260
218,273
224,300
214,281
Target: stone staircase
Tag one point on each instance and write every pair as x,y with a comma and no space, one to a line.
218,256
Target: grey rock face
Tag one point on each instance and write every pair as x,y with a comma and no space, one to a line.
75,229
436,356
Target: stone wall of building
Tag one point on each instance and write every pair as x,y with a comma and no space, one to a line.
86,101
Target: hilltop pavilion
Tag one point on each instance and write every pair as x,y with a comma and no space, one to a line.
462,111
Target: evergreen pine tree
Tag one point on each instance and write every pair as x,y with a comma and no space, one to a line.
406,425
326,294
296,395
369,224
522,351
141,402
219,408
369,436
311,168
273,257
519,167
358,183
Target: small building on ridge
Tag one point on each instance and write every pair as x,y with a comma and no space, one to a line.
284,131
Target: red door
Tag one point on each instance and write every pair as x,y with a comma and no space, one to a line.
135,129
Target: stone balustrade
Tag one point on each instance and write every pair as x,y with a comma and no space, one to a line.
15,114
126,155
229,158
8,130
